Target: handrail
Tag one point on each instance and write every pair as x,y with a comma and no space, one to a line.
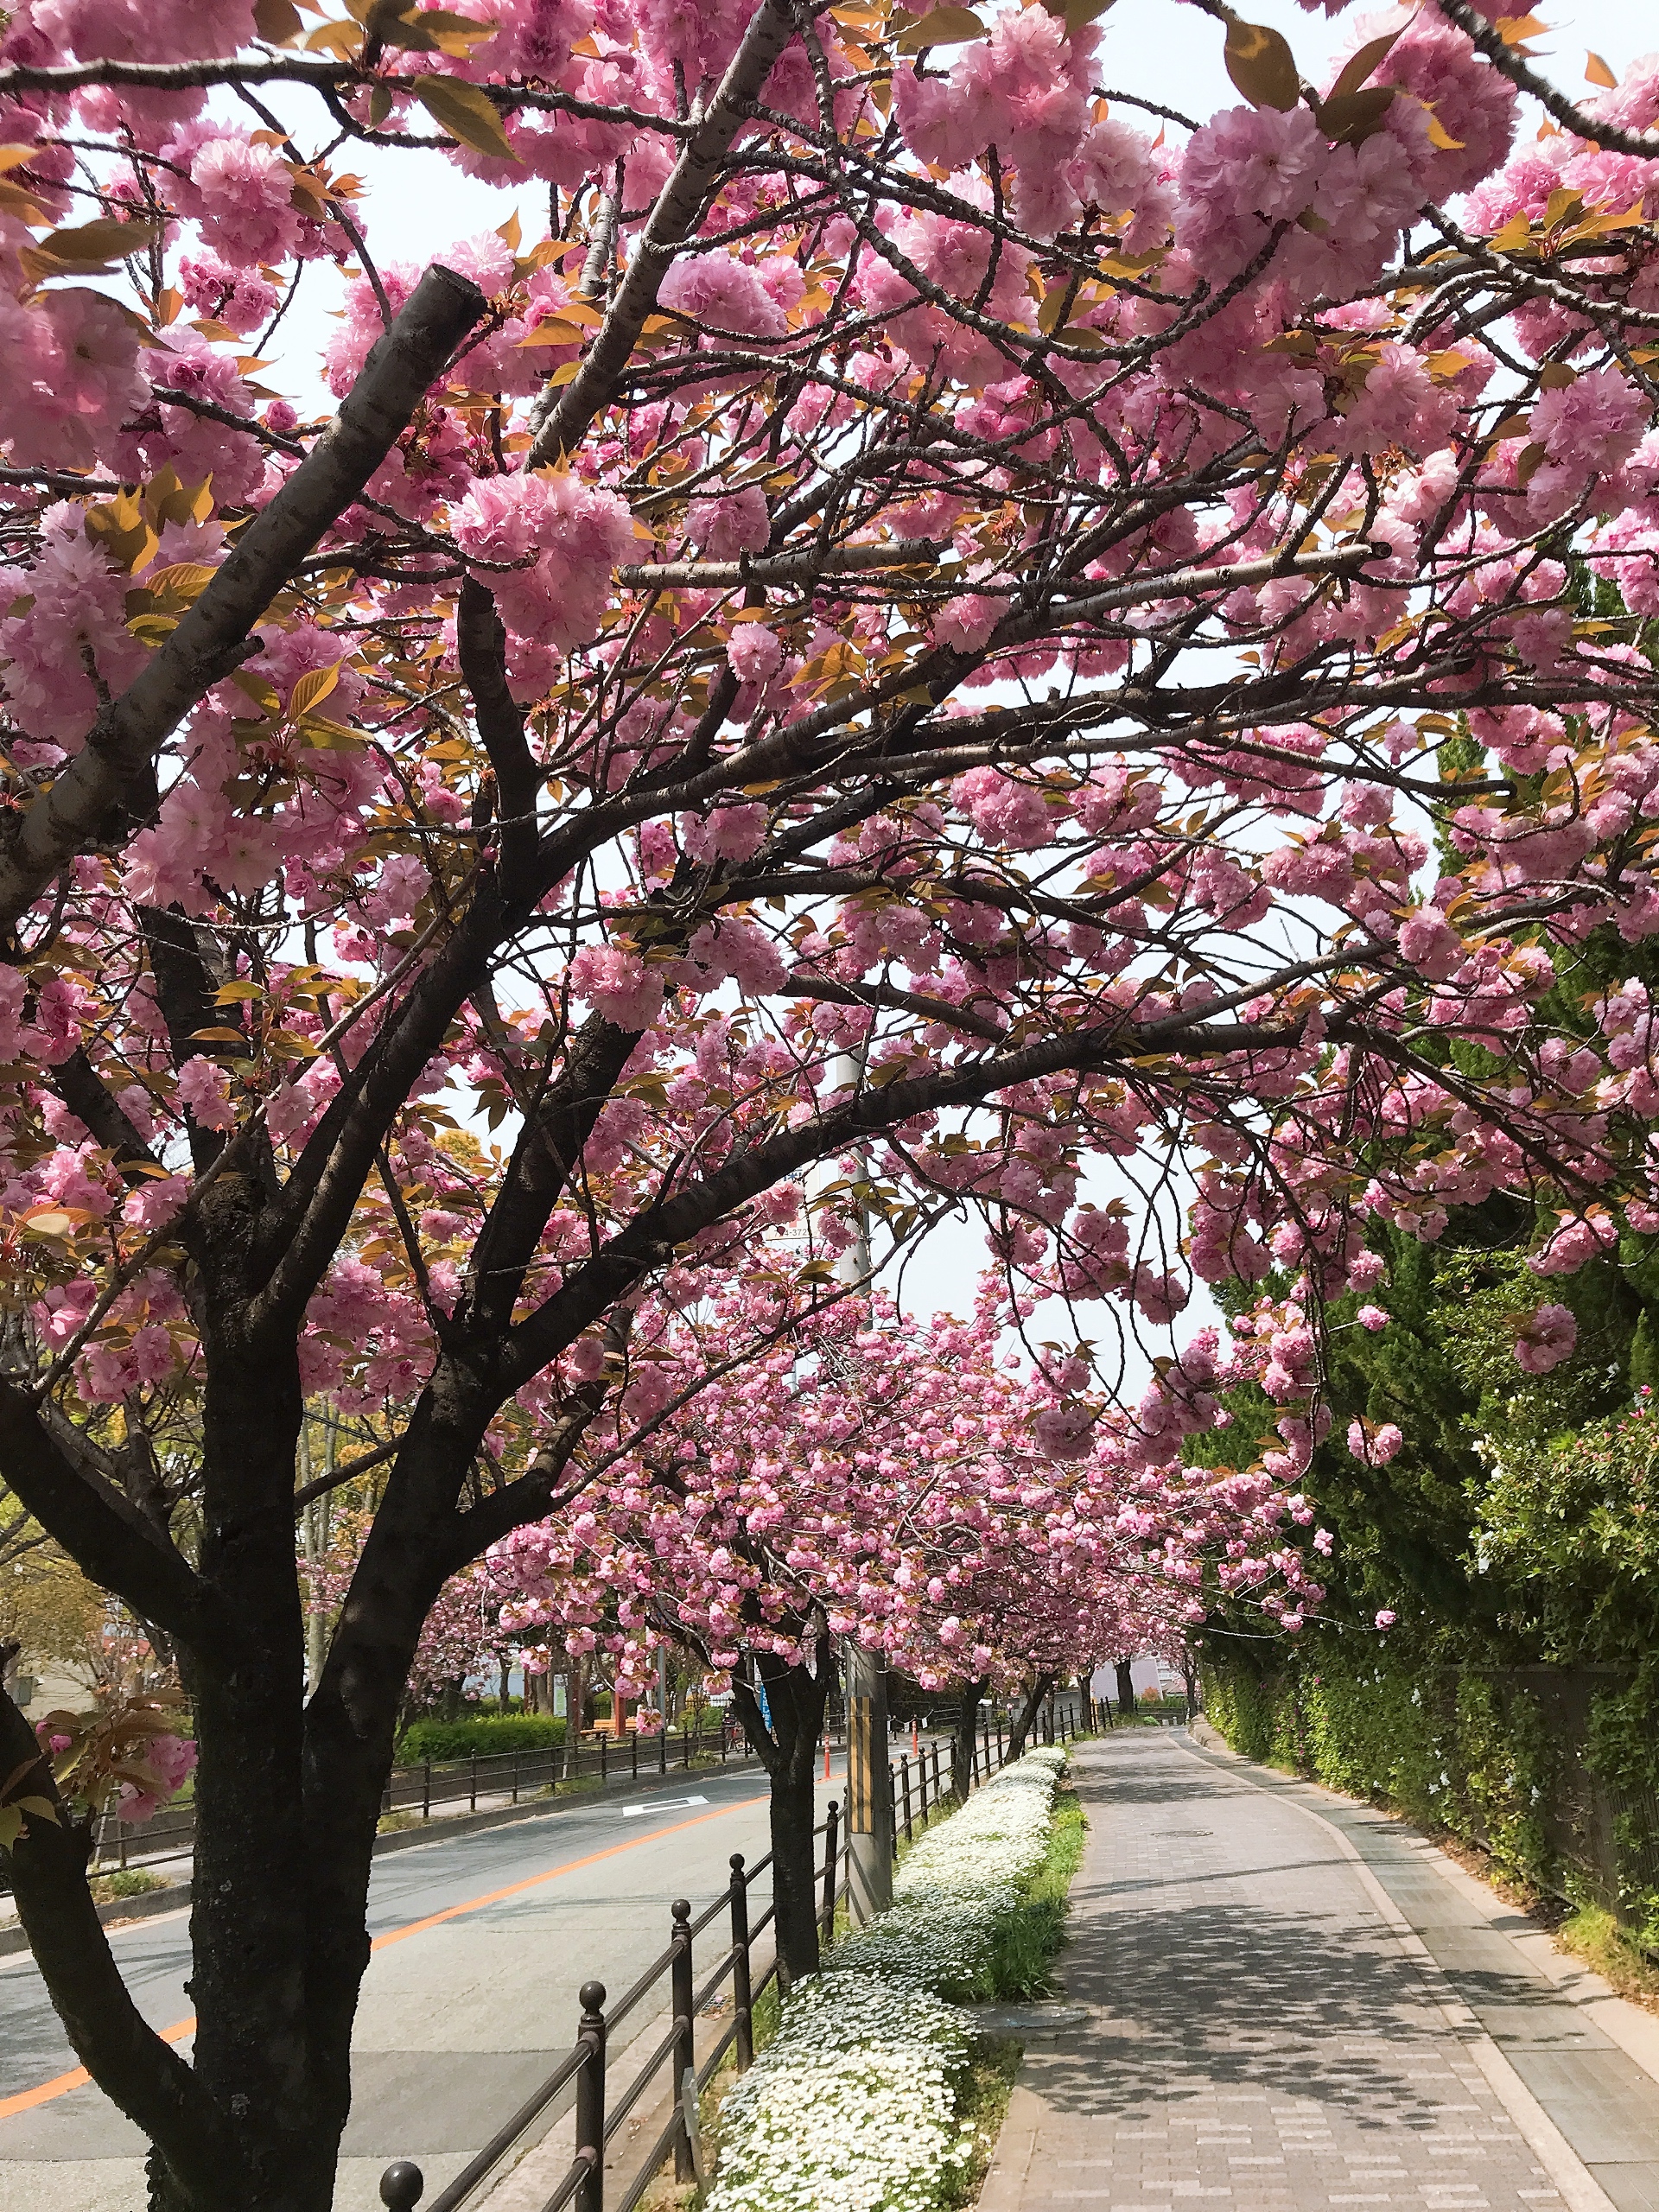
599,2119
505,2136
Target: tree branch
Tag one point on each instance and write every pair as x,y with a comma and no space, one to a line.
677,210
129,2062
103,1531
795,565
1513,65
213,637
88,1097
481,647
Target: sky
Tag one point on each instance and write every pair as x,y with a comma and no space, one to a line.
1162,49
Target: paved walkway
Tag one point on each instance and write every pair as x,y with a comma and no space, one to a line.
1296,2003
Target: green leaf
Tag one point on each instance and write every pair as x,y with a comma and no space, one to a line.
312,689
1259,62
88,249
1078,15
1352,118
467,112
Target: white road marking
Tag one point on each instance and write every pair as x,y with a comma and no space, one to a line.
659,1805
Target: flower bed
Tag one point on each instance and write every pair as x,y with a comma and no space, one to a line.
852,2107
959,1882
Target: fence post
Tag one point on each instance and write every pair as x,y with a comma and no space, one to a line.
472,1802
685,2055
426,1790
590,2100
685,1749
515,1777
604,1768
831,1829
742,1993
401,2185
904,1783
1001,1744
633,1750
662,1746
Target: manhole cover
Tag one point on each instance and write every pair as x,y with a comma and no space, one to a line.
1024,2020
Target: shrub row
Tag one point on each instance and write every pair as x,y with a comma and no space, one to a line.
479,1732
871,2049
1473,1753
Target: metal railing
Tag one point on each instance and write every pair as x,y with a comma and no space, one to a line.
599,1756
921,1782
503,1777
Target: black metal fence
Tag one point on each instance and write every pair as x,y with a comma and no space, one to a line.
497,1778
484,1778
920,1780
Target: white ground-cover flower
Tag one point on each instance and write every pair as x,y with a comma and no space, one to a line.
960,1880
852,2106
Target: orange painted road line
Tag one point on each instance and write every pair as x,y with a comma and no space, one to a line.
26,2099
63,2083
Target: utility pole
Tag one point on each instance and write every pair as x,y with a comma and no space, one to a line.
869,1779
315,1518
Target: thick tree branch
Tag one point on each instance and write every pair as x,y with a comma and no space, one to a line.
655,1233
88,1097
890,996
1513,65
481,647
213,637
796,565
103,1532
143,2075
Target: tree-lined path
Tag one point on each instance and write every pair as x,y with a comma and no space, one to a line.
1287,2012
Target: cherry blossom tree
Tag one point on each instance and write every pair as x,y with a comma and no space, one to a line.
896,553
882,1481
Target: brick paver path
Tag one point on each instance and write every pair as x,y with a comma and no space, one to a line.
1261,2039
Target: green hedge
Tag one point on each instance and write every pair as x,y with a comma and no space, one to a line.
1454,1749
481,1732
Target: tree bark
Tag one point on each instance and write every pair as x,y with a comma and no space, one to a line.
1042,1687
795,1697
1125,1687
962,1742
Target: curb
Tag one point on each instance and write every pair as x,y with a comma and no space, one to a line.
145,1906
176,1895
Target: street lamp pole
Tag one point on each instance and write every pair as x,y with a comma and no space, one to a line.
869,1781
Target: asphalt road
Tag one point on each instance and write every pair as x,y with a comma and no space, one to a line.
482,1943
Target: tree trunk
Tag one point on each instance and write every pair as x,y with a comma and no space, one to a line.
962,1744
577,1699
795,1697
1125,1687
1040,1689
